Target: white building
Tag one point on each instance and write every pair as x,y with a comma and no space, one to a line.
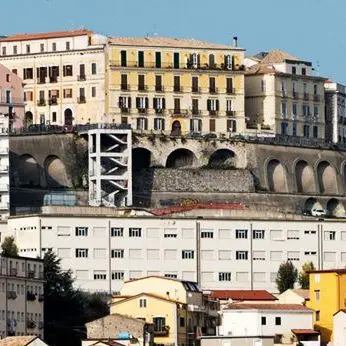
105,249
294,296
63,72
4,167
335,96
21,296
339,328
276,320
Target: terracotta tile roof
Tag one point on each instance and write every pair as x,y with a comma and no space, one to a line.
107,342
305,331
337,271
17,340
261,69
152,295
166,42
57,34
242,295
277,56
302,293
254,306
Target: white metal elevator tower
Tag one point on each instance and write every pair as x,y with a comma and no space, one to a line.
110,167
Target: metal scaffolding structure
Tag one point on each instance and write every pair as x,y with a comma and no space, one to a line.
110,167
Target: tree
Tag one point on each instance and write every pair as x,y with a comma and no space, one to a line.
286,277
304,276
9,247
66,309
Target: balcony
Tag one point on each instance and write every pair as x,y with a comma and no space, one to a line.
230,113
81,78
159,111
30,324
30,296
195,308
213,112
177,89
317,98
295,95
41,103
81,99
142,110
213,90
31,274
196,112
230,91
142,87
11,295
196,89
306,97
53,101
13,271
163,331
125,110
41,297
53,79
41,80
159,88
125,87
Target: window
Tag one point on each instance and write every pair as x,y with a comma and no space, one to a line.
143,303
117,253
303,71
213,105
258,234
212,85
142,124
182,322
317,316
67,71
278,321
306,130
93,68
159,124
176,84
117,232
317,294
8,80
67,93
54,47
159,324
170,233
316,112
195,84
170,275
53,117
241,255
329,235
15,50
117,275
211,60
241,233
158,59
93,91
231,125
67,45
212,126
81,231
28,73
176,106
135,232
82,253
3,50
284,109
225,276
140,59
294,70
187,254
15,71
294,110
224,255
159,104
259,255
229,85
294,129
100,275
229,107
158,83
28,48
263,86
315,131
263,321
123,58
195,125
293,255
207,234
41,47
292,234
176,60
142,103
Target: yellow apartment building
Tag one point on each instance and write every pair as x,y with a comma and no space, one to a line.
177,309
175,86
327,297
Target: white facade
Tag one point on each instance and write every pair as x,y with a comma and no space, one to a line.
339,328
21,296
64,75
217,253
4,168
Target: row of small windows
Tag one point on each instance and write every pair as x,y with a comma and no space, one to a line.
306,129
20,288
19,316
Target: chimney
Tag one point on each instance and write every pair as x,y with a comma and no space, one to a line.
235,41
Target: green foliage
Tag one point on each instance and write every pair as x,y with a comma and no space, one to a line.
66,309
9,247
286,277
304,276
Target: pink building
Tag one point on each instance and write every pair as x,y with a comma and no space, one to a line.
11,97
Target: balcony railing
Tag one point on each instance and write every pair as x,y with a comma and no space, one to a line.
306,96
41,81
230,91
159,88
213,90
230,113
196,89
142,110
163,331
142,87
81,99
317,98
11,295
125,87
11,101
81,77
30,296
284,93
159,110
212,112
53,101
196,112
125,110
41,102
53,79
177,89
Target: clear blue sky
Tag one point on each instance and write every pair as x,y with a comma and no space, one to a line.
312,30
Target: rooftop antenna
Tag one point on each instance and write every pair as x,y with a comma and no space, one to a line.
318,68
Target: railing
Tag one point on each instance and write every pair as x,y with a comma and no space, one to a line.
81,99
30,296
188,65
41,102
163,331
177,89
213,90
142,110
230,90
142,87
41,81
53,101
11,101
213,112
196,89
284,93
125,87
125,110
159,110
53,79
230,113
159,88
81,77
317,98
306,96
31,274
196,112
11,295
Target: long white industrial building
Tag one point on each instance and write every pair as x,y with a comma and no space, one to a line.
217,252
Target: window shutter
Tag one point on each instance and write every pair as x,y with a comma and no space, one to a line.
146,124
50,71
38,72
163,103
208,105
138,124
217,105
137,102
234,126
155,103
199,125
147,102
129,102
198,60
120,103
163,125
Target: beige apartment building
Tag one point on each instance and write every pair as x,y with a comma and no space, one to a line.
21,296
283,97
63,73
175,86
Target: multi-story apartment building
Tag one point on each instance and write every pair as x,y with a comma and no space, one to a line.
283,96
216,252
63,73
335,96
21,296
175,86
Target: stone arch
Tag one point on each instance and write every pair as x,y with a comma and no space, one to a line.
180,158
68,117
141,158
312,203
222,158
326,176
28,171
276,176
55,172
335,208
28,118
305,178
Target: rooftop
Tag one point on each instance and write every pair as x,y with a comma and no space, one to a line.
170,42
17,340
304,293
336,271
254,306
152,295
45,35
277,56
242,295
